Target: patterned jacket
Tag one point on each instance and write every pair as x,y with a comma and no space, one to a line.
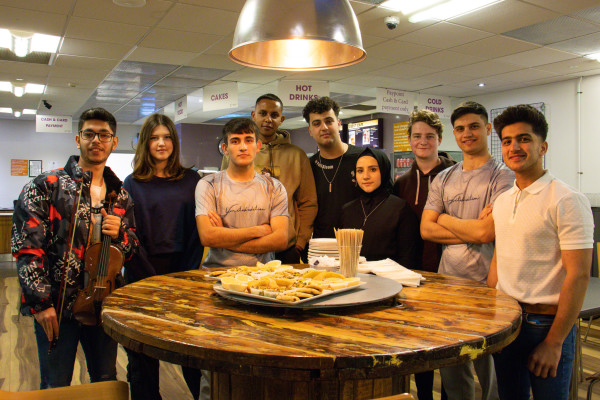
50,234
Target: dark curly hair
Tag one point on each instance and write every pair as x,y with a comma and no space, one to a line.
522,113
319,106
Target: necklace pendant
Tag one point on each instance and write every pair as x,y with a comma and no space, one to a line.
364,222
329,187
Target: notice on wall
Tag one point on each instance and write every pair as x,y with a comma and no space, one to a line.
401,142
53,123
220,97
298,93
394,101
19,167
181,109
438,104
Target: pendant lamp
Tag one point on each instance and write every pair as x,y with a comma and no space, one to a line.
297,35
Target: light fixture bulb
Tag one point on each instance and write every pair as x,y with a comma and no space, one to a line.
6,110
17,114
481,84
19,91
21,45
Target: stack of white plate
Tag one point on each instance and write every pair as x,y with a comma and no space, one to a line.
323,247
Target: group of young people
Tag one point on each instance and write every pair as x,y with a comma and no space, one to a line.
511,225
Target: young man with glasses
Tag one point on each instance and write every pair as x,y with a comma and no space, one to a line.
56,218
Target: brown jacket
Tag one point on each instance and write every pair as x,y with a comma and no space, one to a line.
289,164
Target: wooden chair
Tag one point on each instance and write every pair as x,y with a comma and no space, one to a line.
404,396
109,390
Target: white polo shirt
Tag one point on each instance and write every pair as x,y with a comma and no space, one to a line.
532,227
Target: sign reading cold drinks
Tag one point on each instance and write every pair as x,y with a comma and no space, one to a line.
438,104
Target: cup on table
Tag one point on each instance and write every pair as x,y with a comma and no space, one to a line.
349,257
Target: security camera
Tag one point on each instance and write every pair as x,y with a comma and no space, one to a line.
391,22
46,104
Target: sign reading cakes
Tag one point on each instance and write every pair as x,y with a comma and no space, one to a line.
53,123
298,93
394,101
220,97
438,104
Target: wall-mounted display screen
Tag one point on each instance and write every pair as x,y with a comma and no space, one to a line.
365,133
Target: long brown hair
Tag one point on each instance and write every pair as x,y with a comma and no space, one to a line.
143,164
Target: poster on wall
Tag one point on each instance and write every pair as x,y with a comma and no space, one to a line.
19,167
401,142
35,167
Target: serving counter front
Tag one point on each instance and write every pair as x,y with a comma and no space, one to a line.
355,352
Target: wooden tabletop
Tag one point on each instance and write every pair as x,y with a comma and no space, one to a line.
179,318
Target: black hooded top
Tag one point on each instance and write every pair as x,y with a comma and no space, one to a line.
391,227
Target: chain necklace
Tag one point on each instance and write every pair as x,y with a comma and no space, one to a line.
372,211
335,173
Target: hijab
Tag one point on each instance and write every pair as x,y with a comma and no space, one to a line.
371,200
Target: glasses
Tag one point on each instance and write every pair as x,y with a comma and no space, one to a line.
89,135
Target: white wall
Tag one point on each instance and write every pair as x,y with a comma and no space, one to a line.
564,151
18,140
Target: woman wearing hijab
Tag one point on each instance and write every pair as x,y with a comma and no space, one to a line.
390,226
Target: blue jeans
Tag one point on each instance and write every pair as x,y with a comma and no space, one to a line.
515,381
56,368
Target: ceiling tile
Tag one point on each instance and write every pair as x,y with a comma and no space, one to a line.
200,19
531,58
572,66
77,73
104,64
148,15
251,75
372,22
88,48
485,68
214,61
64,82
32,21
554,30
494,46
444,35
26,69
505,16
160,56
179,40
230,5
47,6
524,75
583,45
397,51
404,71
563,6
104,31
591,14
445,60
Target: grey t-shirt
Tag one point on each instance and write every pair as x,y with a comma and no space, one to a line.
463,194
240,205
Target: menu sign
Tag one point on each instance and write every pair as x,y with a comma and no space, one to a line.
220,97
394,101
53,123
438,104
298,93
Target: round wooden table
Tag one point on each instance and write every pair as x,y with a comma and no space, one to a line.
351,353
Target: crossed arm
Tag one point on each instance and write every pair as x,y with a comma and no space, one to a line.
443,228
256,239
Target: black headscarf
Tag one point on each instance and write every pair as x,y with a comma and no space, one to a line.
372,199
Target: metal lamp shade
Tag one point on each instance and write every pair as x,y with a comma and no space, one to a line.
297,35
